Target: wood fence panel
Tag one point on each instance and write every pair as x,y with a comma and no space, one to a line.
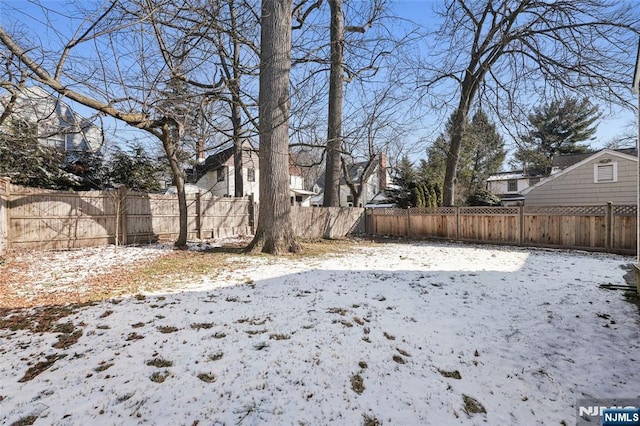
223,217
60,220
603,228
47,219
390,222
624,226
327,222
4,214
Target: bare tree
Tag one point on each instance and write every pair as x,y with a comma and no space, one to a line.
275,230
509,53
136,63
336,90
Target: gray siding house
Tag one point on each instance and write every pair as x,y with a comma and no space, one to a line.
605,176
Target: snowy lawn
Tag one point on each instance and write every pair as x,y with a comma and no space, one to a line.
392,334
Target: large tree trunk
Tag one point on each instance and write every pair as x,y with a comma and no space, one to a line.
236,115
236,121
334,127
469,86
169,141
275,231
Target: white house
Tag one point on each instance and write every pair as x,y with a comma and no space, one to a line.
372,182
509,185
217,176
56,124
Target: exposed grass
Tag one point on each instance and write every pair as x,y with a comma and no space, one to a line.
159,377
36,320
455,374
40,367
279,336
159,363
207,378
65,341
370,421
25,421
472,405
357,384
103,367
205,325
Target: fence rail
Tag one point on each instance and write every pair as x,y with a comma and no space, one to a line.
601,228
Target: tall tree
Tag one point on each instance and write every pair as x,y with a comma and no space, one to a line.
334,124
556,128
274,233
135,69
508,52
481,154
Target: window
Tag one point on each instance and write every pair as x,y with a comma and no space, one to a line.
512,185
221,174
605,172
533,181
251,175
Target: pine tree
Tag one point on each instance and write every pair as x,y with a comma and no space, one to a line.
557,128
481,155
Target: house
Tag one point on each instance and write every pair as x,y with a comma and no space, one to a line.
508,185
636,91
602,177
371,181
56,124
511,186
217,176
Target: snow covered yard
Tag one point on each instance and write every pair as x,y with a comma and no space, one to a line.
395,334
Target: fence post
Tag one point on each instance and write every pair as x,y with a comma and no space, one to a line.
609,226
199,215
408,222
252,213
457,222
521,220
122,213
5,214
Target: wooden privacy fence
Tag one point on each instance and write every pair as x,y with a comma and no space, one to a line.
33,218
43,219
327,222
600,228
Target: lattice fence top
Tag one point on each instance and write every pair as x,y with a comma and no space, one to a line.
489,210
625,210
389,212
433,210
566,210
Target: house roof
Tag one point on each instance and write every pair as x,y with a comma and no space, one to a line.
354,170
515,174
560,162
636,75
593,156
36,103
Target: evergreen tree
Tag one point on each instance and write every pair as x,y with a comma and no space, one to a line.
29,162
481,155
413,190
557,128
138,172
